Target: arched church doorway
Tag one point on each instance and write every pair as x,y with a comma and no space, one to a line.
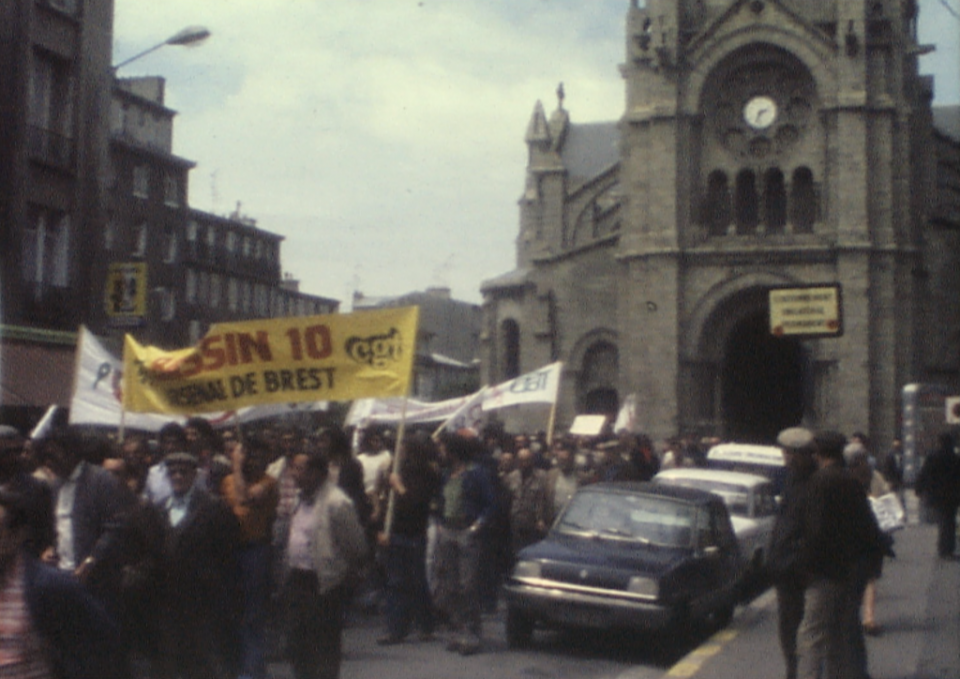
598,379
762,381
602,401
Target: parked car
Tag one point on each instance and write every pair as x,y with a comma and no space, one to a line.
750,458
750,499
628,555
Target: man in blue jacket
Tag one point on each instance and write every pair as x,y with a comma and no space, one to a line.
468,503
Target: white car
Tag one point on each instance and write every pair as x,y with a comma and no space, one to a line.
751,500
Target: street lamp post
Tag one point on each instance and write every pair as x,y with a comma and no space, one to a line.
192,35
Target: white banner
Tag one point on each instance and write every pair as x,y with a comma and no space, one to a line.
365,411
97,392
97,395
540,386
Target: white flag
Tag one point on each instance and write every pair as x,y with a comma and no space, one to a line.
539,386
97,389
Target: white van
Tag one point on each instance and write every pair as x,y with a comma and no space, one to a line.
750,458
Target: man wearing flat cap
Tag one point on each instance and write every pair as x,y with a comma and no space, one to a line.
198,621
797,446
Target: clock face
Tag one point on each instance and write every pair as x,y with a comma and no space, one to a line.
760,112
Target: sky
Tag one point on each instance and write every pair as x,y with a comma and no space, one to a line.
384,138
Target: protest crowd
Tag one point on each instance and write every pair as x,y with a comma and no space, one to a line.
196,552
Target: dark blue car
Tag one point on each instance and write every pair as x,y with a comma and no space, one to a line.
628,555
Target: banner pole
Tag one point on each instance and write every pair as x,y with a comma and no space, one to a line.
395,468
551,422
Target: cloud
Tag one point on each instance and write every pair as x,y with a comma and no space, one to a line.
383,138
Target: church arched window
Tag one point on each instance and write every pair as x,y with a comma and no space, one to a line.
774,201
747,208
716,206
803,201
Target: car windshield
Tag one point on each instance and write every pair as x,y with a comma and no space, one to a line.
735,496
639,518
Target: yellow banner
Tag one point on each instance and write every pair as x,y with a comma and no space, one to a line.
336,357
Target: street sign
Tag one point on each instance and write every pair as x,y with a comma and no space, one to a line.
807,311
125,296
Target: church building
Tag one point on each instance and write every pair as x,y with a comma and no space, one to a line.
764,145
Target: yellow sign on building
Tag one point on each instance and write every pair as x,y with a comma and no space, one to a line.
125,297
806,311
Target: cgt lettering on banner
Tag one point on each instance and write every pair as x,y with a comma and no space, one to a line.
532,382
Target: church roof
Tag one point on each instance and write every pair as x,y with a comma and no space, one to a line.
511,279
947,121
590,148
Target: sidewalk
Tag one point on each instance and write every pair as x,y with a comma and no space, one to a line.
918,607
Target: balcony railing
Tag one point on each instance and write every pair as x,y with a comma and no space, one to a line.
50,148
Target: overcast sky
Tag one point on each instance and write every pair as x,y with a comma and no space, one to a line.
384,138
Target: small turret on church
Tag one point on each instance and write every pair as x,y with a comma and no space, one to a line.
546,183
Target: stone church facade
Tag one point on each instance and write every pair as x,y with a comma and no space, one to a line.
764,143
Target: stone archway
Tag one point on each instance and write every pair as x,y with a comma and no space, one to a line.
762,382
746,382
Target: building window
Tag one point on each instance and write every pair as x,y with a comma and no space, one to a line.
247,246
110,235
190,287
51,111
746,203
774,201
140,238
141,181
803,201
216,287
211,241
233,294
171,191
170,246
167,302
46,249
245,295
203,291
191,238
196,331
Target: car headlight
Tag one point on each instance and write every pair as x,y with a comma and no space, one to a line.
643,586
526,569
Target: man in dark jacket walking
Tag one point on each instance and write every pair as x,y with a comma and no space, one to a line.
839,534
784,554
939,486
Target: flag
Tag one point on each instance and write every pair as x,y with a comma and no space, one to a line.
539,386
97,393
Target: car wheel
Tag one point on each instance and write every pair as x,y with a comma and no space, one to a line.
519,629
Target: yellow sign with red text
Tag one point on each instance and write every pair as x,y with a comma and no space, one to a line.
335,357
